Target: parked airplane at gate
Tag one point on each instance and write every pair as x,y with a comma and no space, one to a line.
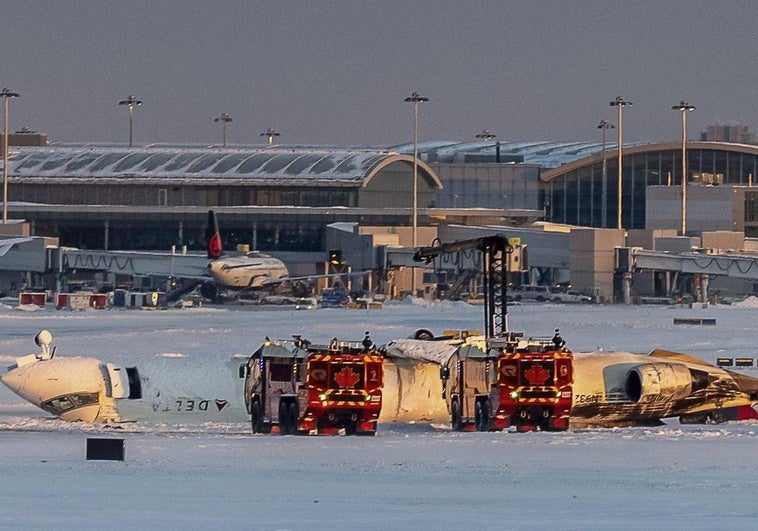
250,270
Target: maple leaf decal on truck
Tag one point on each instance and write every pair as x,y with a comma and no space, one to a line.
347,377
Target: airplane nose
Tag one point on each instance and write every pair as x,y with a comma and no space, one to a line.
69,388
16,380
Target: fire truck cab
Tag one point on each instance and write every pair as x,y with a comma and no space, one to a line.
534,382
299,387
510,381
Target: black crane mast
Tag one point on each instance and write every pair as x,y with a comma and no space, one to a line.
495,250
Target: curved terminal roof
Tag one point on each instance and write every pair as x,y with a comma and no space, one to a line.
544,154
308,165
279,165
633,149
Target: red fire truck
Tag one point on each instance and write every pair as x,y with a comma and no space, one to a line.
511,382
500,379
296,387
534,384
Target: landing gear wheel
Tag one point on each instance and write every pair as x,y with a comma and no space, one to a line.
423,334
256,421
455,416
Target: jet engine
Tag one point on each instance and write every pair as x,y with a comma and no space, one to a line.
653,382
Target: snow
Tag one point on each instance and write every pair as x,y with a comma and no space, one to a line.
410,476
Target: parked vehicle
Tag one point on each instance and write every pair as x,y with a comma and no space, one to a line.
334,298
534,293
570,297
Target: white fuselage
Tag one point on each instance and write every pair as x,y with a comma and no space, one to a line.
248,271
609,389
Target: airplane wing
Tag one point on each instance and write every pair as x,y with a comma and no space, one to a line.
676,356
314,277
7,244
747,384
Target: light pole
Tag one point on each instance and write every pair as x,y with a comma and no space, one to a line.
486,135
225,118
684,108
271,134
130,103
6,95
415,98
619,103
605,125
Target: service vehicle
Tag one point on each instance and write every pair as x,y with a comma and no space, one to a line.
296,387
334,298
511,381
534,384
570,297
500,379
532,293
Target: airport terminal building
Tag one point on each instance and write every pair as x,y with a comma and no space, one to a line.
295,187
280,199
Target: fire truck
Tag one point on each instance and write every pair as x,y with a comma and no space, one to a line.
534,384
501,379
295,387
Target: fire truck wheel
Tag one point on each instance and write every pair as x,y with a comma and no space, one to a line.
482,416
292,418
455,414
284,427
255,417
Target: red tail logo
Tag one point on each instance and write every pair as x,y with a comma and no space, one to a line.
214,246
213,237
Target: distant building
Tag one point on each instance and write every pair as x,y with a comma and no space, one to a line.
736,133
24,137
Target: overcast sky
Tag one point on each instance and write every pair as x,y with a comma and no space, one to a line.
329,72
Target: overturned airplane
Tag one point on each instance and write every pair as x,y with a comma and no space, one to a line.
607,388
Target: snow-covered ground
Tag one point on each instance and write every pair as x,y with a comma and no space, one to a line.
408,476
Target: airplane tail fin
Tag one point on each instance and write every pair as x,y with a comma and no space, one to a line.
213,237
747,413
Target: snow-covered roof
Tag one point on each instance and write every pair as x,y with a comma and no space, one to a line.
280,164
544,154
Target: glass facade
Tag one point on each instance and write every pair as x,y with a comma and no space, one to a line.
268,232
582,197
487,185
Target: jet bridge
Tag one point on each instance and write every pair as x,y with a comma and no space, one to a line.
702,266
131,262
729,265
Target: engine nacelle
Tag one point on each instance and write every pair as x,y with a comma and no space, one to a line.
652,382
